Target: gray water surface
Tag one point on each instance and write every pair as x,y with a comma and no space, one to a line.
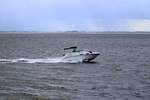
121,72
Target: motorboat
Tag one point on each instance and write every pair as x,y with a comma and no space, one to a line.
76,56
79,55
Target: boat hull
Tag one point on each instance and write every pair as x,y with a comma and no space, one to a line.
80,57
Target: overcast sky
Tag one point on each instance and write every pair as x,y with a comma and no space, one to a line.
81,15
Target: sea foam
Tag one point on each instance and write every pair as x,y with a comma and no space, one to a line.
38,60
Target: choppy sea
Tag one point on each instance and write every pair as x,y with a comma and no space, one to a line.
121,72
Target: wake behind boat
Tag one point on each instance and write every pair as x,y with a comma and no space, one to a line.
75,56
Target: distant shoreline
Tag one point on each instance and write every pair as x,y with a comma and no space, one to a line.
100,35
74,32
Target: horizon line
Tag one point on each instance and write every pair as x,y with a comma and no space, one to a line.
74,31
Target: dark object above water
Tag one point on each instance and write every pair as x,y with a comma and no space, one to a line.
73,48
